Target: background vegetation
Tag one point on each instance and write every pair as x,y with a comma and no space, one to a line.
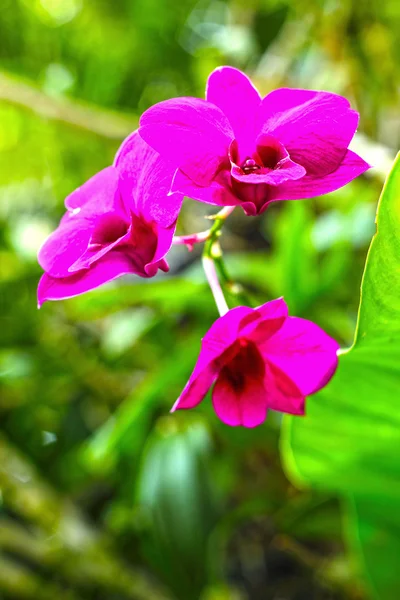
103,494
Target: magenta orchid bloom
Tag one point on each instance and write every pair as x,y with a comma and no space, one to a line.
120,221
260,359
236,148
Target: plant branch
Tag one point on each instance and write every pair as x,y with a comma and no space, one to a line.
91,118
212,278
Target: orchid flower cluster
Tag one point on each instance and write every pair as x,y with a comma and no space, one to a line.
232,149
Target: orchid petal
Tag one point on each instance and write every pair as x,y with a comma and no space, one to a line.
351,167
109,231
274,309
215,352
197,387
85,206
283,394
315,127
145,182
232,91
247,406
164,243
98,195
112,265
303,352
65,245
191,133
269,319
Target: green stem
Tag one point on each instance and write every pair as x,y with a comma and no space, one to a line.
212,250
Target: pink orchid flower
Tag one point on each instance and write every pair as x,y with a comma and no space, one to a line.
120,221
236,148
260,359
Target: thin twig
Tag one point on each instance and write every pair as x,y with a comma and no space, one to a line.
212,278
93,119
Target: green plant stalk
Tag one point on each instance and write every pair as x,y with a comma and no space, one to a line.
213,251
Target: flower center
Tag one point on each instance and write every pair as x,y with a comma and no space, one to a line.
246,364
249,165
143,240
108,229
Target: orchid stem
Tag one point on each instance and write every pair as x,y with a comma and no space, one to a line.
213,281
233,288
223,213
211,253
212,258
214,264
202,236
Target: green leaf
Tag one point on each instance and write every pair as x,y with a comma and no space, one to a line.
374,534
348,443
174,489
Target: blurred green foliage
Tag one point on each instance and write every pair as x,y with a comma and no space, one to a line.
103,495
333,447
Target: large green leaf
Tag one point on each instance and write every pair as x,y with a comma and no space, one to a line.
374,533
349,441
